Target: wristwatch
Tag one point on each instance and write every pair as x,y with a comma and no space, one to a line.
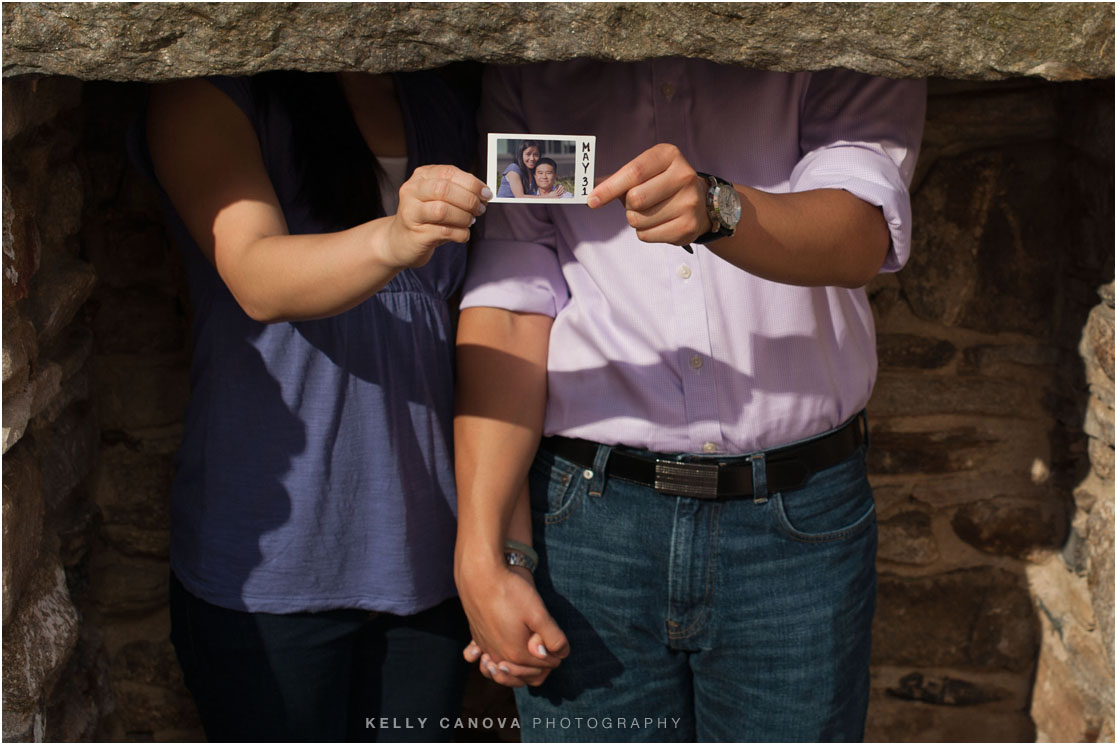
723,205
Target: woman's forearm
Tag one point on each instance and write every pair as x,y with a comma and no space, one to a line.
300,277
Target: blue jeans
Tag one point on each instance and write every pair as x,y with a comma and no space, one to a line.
334,676
703,620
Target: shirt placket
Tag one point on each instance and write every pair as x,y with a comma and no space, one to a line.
673,94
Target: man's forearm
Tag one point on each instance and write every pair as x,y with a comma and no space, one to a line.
812,238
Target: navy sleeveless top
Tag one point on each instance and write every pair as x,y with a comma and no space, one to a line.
316,467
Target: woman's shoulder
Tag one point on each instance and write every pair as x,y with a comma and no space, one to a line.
512,167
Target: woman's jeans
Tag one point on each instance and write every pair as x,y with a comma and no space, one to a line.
703,620
321,677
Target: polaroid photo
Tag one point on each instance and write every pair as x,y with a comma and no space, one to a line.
535,169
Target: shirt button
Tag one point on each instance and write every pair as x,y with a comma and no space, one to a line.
709,447
684,271
696,362
668,91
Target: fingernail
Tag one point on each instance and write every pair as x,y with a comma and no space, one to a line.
486,193
492,669
483,208
542,650
504,669
472,221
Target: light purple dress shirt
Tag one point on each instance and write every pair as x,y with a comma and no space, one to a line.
652,347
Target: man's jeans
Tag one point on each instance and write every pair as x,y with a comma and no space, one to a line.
703,620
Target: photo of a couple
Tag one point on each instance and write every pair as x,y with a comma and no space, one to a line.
530,169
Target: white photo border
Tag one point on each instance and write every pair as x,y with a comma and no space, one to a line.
585,155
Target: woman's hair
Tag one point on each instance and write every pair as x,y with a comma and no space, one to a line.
337,173
528,173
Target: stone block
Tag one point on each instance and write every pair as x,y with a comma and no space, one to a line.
141,392
45,386
999,359
1101,459
945,690
60,215
1061,595
939,451
32,101
71,350
145,709
1099,421
75,710
138,320
970,619
907,538
894,720
1005,113
1059,41
1100,578
149,662
16,415
66,450
131,253
133,487
57,296
1073,693
1097,339
122,584
39,639
905,395
1021,530
20,352
911,351
22,523
974,264
21,240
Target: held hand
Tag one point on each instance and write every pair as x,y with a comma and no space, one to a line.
437,205
507,673
664,199
506,615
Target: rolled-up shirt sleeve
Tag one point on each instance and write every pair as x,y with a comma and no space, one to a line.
861,134
513,263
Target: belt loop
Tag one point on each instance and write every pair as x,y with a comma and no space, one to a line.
600,462
759,478
864,417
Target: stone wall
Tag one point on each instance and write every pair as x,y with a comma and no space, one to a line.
977,423
50,436
992,422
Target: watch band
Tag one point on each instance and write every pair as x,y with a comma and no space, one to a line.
713,209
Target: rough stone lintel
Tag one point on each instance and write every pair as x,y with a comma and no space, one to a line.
157,41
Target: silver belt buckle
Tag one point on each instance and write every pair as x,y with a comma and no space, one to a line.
698,480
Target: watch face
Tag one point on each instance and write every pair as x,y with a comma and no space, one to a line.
729,206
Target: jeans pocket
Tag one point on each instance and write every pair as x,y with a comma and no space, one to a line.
557,487
834,504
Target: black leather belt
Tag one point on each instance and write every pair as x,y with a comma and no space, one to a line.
786,468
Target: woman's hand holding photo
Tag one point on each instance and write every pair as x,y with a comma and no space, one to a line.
437,205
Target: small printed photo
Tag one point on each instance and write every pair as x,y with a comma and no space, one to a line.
529,168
